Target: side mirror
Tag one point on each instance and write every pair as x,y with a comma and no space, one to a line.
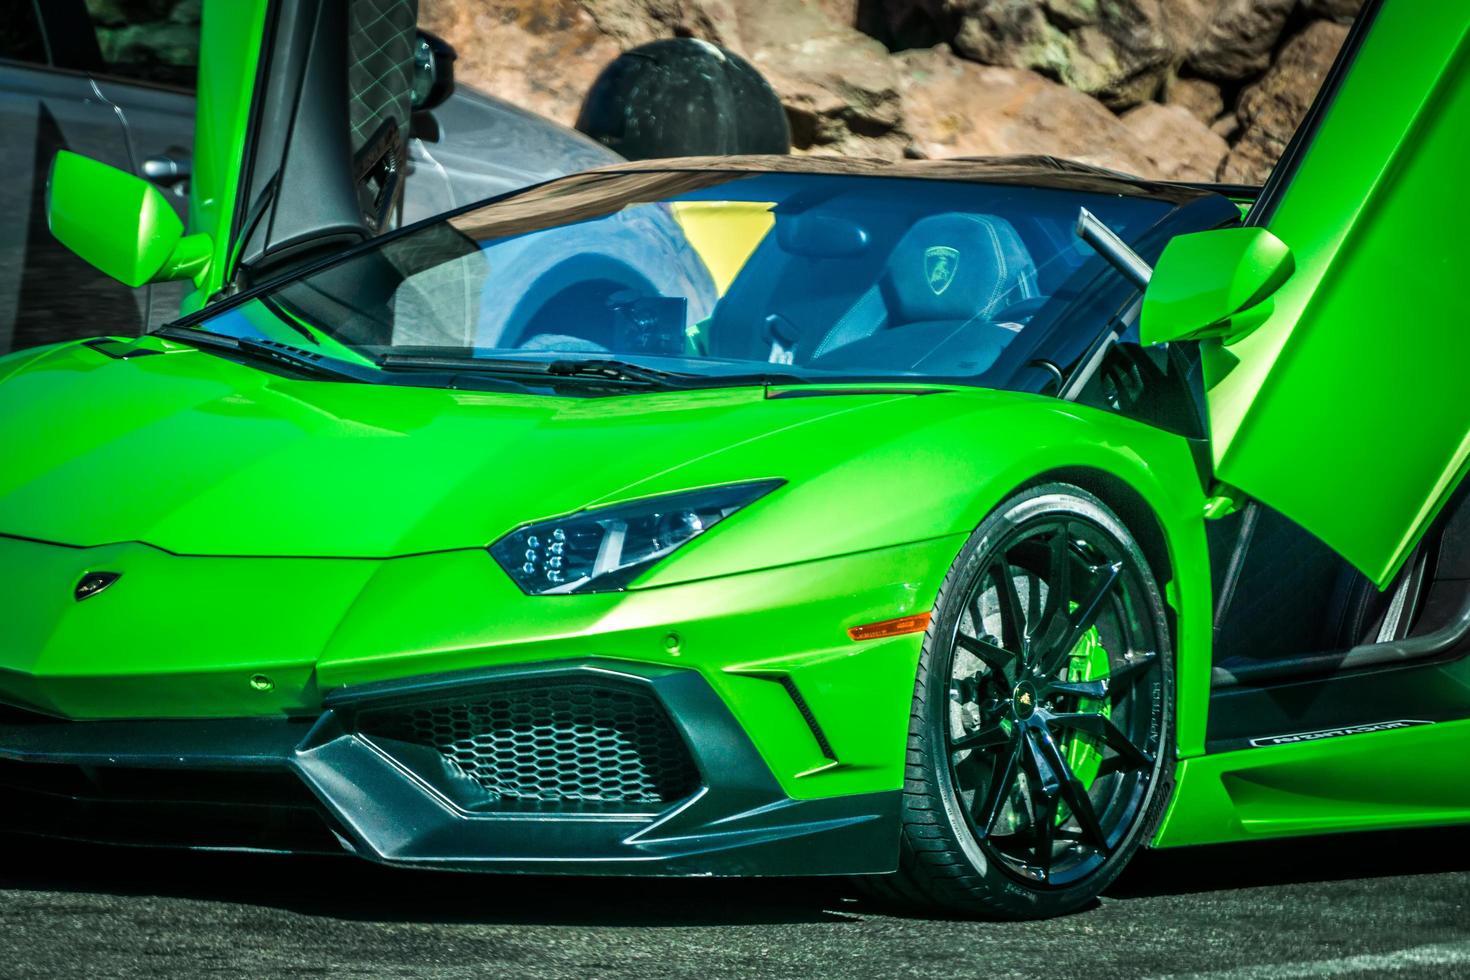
121,224
433,71
1214,284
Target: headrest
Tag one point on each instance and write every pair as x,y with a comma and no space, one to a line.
956,266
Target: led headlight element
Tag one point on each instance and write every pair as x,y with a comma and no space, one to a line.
603,550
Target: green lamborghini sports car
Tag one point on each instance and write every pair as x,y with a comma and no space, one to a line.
962,526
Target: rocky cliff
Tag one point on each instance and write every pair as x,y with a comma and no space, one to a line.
1180,89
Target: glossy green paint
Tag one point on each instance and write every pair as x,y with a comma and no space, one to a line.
121,224
1402,778
1214,284
1341,409
327,534
230,41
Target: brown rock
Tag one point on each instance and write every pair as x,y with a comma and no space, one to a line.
1117,51
839,86
1226,127
844,13
840,93
539,54
1182,21
1177,144
635,22
1200,98
1271,109
764,23
1338,10
1237,40
953,107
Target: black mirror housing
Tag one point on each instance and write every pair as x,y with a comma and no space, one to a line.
433,71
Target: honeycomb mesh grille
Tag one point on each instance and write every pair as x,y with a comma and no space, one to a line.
567,743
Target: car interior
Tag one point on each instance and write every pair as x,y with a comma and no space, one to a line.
1304,641
842,282
918,312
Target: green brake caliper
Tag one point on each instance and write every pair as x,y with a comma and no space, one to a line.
1088,661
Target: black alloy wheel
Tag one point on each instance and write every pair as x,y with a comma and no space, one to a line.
1041,741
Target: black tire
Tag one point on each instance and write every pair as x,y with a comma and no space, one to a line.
1013,852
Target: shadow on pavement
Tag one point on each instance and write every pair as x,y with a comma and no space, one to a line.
345,888
1294,861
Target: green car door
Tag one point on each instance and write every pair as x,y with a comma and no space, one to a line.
1336,328
302,123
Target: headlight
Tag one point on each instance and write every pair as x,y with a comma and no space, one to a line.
603,550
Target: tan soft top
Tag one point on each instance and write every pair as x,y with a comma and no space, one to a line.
595,193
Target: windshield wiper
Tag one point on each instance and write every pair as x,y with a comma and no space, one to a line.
598,369
273,351
594,370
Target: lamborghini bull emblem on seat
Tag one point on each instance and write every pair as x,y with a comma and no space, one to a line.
940,263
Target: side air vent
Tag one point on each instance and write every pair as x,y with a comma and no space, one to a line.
572,746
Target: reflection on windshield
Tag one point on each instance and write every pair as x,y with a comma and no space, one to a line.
818,276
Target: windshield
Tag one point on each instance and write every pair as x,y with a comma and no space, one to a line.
718,275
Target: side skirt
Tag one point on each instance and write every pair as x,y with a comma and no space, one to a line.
1401,777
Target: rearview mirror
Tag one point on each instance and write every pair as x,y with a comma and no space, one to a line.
1214,284
819,236
121,224
433,71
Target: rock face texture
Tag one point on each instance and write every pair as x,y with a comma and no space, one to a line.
953,107
1236,40
1116,52
1173,89
1176,144
1271,108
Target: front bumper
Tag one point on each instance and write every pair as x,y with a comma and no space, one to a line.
353,781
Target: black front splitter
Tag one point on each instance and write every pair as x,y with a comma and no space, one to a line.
372,803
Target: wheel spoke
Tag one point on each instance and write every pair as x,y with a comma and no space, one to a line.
1081,620
1039,767
1096,690
977,615
996,658
1075,795
1012,620
1081,806
1033,598
1026,738
1129,671
969,772
1103,729
987,809
1044,833
1058,591
987,737
1044,781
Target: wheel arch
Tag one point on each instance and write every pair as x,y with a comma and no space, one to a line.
1158,498
1125,500
1146,525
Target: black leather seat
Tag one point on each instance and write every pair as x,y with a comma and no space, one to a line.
932,306
945,275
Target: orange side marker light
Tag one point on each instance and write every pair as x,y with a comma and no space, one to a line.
891,627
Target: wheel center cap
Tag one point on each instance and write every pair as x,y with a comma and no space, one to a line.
1023,700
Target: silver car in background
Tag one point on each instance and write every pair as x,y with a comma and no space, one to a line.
87,76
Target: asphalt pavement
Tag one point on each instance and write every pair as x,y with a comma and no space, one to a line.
1394,905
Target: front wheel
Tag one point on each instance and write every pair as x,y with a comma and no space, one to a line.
1041,736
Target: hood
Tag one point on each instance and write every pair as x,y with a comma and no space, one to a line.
197,455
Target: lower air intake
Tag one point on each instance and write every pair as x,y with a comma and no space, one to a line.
574,745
